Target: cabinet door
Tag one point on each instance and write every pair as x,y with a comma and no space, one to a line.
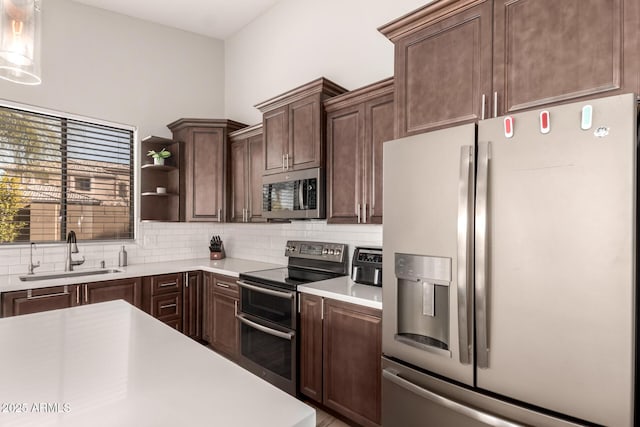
548,51
126,289
305,121
254,179
276,139
205,175
443,70
37,300
345,138
192,305
207,312
378,121
352,340
225,336
238,159
310,338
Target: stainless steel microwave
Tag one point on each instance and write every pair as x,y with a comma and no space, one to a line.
294,195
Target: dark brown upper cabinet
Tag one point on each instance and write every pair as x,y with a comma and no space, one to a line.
293,126
458,61
246,175
205,166
358,122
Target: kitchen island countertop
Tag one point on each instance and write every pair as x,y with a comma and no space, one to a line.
110,364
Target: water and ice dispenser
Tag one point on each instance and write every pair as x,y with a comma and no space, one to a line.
423,300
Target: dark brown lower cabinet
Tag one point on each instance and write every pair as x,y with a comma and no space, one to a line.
163,298
349,358
310,339
221,328
192,305
37,300
44,299
110,290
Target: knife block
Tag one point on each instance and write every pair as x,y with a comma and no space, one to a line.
217,254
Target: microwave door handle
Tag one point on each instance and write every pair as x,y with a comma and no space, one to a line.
301,200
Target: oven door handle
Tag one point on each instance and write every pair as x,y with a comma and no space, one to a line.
260,289
266,330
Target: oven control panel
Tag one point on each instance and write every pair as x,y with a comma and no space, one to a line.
316,250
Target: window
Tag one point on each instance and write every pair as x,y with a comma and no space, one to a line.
60,173
83,184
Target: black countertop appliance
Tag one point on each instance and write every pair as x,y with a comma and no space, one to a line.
366,265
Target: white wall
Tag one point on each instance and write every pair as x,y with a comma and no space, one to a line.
104,65
297,41
108,66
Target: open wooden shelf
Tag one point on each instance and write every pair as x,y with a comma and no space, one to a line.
156,206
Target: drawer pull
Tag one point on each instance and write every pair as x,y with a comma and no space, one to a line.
162,307
59,294
164,285
223,285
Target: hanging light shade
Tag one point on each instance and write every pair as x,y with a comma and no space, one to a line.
20,25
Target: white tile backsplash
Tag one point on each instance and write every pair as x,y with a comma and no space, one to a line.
159,242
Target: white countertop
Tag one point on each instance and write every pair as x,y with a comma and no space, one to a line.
110,364
227,266
345,289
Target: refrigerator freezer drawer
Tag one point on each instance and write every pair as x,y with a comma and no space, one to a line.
414,399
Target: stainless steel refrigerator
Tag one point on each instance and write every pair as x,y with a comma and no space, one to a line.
509,250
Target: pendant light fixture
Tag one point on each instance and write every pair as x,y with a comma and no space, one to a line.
20,24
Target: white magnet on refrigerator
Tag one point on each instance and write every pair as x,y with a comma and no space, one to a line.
587,117
508,127
545,122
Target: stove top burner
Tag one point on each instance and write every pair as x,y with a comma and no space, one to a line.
308,262
287,277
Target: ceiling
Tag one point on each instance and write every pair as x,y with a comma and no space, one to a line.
213,18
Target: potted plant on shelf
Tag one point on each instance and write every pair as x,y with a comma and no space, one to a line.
159,156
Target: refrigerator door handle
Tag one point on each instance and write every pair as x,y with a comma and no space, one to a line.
465,260
483,417
481,260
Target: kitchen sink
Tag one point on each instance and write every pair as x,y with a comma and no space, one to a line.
65,274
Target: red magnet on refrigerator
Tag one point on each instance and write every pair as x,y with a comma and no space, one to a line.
545,121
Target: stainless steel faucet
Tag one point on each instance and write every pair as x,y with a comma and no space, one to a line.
72,248
31,264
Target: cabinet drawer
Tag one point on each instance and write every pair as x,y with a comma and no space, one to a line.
166,283
226,286
165,306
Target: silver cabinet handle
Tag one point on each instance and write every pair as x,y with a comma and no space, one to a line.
465,227
248,215
467,411
283,168
495,104
287,161
168,306
222,285
77,294
267,291
235,307
322,309
167,284
86,293
219,215
59,294
481,261
186,280
484,106
364,214
358,211
270,331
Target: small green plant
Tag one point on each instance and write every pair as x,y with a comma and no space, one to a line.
162,154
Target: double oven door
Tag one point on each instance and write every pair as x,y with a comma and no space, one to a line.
268,338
